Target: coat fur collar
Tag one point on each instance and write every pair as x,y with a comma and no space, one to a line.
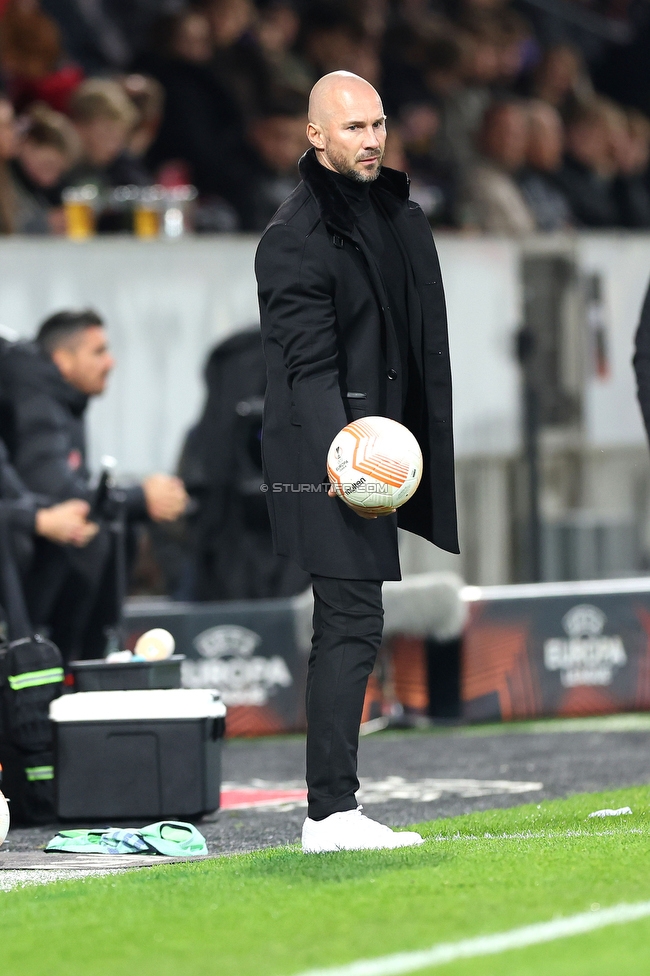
334,209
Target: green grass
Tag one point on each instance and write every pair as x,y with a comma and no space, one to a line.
277,912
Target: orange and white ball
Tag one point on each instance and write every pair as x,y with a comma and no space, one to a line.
375,464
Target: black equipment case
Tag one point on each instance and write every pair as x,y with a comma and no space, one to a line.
138,754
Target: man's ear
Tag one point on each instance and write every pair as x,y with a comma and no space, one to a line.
61,359
315,136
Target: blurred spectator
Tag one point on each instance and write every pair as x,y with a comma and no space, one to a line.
516,47
31,56
107,35
412,146
330,36
463,108
374,16
491,199
277,30
230,20
8,147
545,148
87,34
238,63
424,17
632,153
8,131
587,176
624,74
334,39
148,96
417,69
34,156
47,149
442,68
394,155
587,26
428,195
105,117
419,125
30,41
201,124
560,78
277,140
402,67
50,383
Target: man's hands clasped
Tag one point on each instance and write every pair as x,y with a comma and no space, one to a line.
67,523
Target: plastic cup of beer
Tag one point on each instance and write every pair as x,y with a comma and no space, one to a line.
79,203
146,215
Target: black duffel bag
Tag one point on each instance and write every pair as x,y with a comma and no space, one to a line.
31,676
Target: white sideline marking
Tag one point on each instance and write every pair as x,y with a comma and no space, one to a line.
18,879
537,835
488,945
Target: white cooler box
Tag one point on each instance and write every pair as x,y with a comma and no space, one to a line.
137,754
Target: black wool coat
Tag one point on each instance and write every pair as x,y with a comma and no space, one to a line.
332,356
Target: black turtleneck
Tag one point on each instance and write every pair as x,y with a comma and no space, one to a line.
379,237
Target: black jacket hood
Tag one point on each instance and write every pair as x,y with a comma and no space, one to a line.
29,368
334,209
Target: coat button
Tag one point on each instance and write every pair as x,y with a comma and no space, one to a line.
392,374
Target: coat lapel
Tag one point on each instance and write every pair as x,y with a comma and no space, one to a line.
392,187
333,206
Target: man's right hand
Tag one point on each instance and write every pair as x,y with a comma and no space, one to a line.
67,523
359,511
165,497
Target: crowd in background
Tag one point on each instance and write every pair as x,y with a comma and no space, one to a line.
509,115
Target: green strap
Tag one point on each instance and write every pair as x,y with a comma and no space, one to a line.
34,773
31,679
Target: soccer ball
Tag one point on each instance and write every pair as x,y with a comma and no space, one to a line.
4,819
375,464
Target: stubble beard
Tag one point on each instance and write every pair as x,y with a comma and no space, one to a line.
342,165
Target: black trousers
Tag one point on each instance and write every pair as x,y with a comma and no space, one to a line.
348,621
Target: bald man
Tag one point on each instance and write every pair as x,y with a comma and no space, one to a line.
354,325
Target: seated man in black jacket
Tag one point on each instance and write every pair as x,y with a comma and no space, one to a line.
49,384
25,515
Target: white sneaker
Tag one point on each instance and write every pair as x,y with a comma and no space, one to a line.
351,831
